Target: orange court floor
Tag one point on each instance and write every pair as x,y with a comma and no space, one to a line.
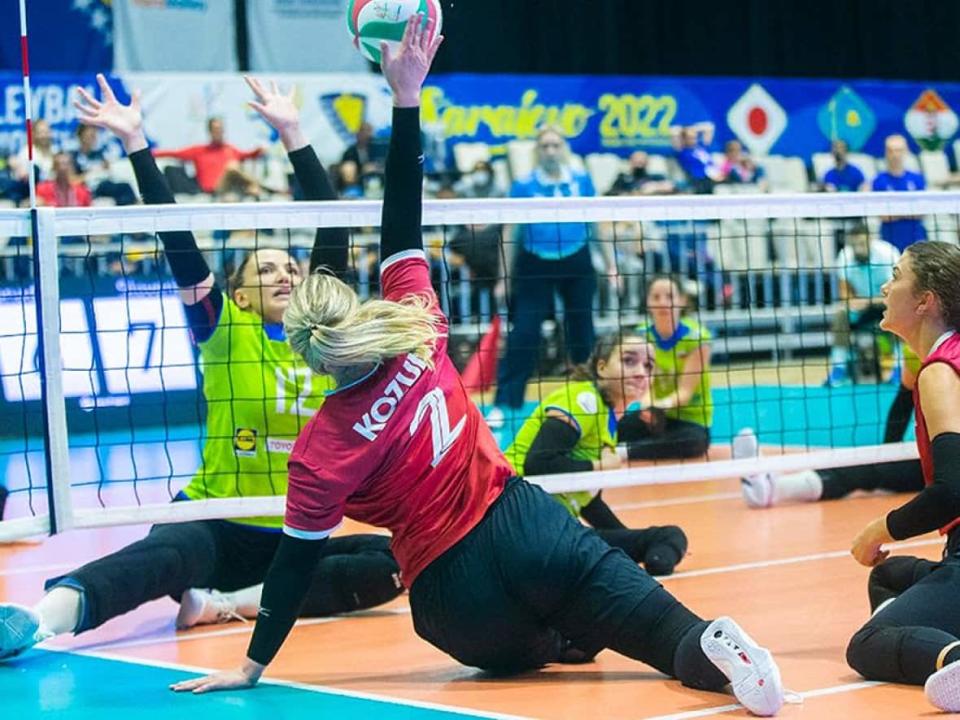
785,574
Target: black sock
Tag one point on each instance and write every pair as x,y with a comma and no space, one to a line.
898,417
3,500
692,667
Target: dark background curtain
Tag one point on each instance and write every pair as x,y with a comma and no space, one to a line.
889,39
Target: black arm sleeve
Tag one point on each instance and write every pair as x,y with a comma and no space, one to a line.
186,261
284,589
600,516
549,453
938,504
403,186
331,245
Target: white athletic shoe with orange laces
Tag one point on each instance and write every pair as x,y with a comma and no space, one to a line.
943,688
751,669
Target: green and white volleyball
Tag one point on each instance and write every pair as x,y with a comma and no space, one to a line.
372,21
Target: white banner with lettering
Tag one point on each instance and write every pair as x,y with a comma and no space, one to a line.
301,36
174,36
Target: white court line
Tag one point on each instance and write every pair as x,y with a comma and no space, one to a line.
677,501
790,560
240,629
466,712
720,709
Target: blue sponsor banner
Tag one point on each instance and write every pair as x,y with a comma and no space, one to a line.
619,114
597,114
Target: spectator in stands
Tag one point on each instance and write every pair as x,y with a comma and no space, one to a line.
843,176
863,266
64,189
90,164
480,182
366,152
43,152
217,163
899,231
691,148
740,168
548,259
346,180
638,180
681,380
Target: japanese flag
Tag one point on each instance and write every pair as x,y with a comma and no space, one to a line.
757,120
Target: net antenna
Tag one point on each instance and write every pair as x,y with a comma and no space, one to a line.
56,459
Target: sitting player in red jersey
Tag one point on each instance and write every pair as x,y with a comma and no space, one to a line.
914,634
500,574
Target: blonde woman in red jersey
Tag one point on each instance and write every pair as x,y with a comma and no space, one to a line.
500,574
914,634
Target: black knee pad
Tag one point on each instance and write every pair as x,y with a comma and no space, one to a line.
895,575
665,550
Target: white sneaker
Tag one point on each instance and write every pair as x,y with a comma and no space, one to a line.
943,688
19,630
757,489
752,671
206,607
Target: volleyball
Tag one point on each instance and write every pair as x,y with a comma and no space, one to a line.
372,21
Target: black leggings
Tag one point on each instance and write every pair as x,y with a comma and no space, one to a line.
902,642
900,477
678,439
355,571
529,576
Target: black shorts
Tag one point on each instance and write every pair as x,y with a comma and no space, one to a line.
526,576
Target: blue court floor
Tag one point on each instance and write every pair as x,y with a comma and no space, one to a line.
69,686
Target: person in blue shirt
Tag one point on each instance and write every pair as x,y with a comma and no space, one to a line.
901,232
548,259
691,149
843,176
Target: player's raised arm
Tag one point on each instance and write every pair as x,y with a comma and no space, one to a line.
187,264
279,110
405,72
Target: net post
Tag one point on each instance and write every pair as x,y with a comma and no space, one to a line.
47,269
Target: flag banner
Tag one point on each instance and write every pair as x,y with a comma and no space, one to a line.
86,47
281,34
174,36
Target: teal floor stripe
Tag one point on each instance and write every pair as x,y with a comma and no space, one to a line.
76,687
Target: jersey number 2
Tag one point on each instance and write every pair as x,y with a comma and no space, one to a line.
443,435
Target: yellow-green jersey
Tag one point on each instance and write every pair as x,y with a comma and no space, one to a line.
259,395
670,357
593,419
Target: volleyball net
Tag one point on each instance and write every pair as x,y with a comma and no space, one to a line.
102,416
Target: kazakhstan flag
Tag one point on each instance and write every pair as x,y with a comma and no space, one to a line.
847,117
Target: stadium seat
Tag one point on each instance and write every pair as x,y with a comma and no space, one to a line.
936,167
822,163
658,165
866,163
786,174
742,245
467,155
520,156
604,169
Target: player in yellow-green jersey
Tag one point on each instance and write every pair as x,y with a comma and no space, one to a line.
258,396
681,379
575,429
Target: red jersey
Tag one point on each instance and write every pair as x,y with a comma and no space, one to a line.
76,194
210,160
403,448
945,350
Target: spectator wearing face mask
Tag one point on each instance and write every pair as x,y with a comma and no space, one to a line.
843,176
480,182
